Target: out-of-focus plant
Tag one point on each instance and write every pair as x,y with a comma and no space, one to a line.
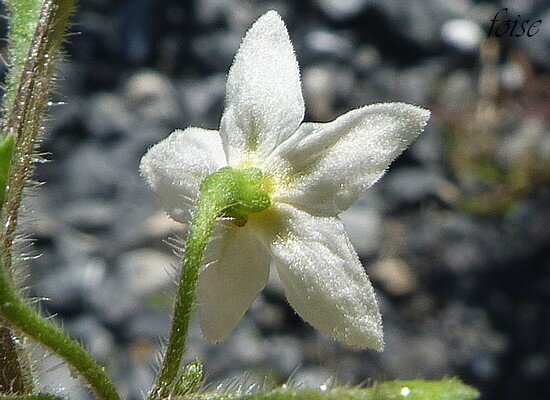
497,161
312,167
37,30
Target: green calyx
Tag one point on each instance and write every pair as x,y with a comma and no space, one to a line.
238,192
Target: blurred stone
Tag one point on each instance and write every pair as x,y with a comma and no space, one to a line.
413,185
93,336
324,86
113,304
395,276
485,366
216,50
417,84
55,376
366,58
106,117
458,243
242,351
458,94
512,76
538,45
408,356
90,216
151,96
139,377
268,317
420,21
136,30
528,139
90,172
463,255
139,273
536,366
284,352
203,99
469,335
161,225
341,10
237,14
68,290
364,228
147,325
429,147
97,36
327,45
145,271
462,34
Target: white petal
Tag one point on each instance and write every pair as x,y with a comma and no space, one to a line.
264,103
228,285
323,278
176,167
327,166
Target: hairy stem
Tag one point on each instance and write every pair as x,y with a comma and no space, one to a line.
208,209
35,31
15,374
24,319
24,119
23,17
38,396
229,192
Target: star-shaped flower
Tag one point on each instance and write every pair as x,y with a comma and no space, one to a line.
313,171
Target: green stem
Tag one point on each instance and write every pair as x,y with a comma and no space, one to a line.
208,210
38,396
23,18
25,320
229,192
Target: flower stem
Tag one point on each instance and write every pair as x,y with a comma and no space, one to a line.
208,210
228,192
24,319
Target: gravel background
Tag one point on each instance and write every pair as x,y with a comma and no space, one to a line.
455,237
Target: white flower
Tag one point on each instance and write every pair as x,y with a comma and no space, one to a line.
316,171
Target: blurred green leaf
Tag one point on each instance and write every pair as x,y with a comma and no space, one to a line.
445,389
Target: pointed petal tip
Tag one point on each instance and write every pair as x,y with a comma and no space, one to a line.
410,110
270,17
419,114
371,337
269,27
412,118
